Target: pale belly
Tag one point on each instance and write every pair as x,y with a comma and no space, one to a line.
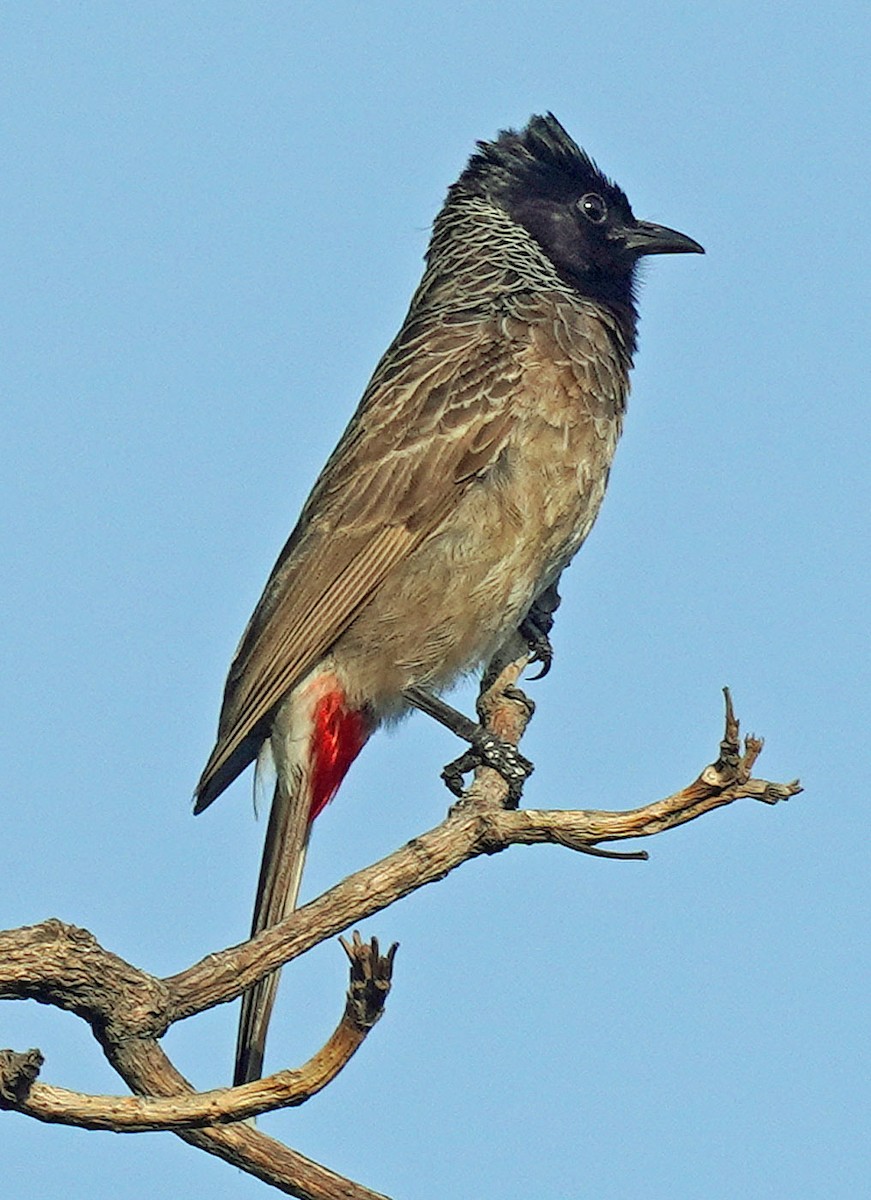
448,607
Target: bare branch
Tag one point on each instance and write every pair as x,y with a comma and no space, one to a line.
65,966
477,824
128,1009
146,1069
370,983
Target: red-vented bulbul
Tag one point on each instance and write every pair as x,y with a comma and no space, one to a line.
468,477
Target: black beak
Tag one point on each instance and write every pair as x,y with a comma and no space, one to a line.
646,238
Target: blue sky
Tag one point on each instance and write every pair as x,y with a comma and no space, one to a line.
214,216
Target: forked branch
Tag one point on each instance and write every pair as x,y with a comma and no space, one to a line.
129,1010
370,982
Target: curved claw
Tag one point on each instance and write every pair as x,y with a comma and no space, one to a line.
536,626
539,645
546,664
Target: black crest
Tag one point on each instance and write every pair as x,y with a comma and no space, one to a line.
543,160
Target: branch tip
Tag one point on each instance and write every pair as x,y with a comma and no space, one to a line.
619,855
18,1072
733,725
371,977
775,792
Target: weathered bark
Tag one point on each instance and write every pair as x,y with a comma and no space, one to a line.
129,1010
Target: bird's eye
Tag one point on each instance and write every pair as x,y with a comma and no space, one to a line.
593,207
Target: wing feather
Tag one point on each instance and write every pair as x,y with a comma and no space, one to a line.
434,417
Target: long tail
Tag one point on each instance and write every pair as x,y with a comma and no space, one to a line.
277,890
314,747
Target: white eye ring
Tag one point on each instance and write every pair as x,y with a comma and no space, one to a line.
594,208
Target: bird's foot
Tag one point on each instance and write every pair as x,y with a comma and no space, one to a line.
487,750
536,626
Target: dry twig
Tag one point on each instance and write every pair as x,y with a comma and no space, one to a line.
129,1010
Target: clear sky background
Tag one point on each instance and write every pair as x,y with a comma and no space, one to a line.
213,217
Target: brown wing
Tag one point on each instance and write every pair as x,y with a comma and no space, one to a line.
434,417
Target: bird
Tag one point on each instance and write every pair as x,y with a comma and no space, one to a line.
467,479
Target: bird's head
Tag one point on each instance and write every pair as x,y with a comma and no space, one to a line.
580,218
